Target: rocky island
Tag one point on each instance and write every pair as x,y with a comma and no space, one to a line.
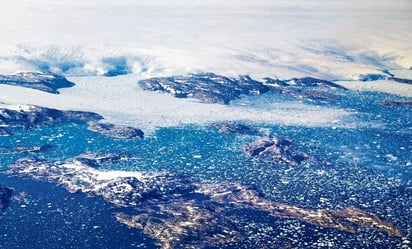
178,211
43,81
392,103
213,88
30,116
115,131
235,128
276,150
312,82
207,87
96,159
386,76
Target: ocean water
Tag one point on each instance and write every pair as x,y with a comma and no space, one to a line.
366,164
364,149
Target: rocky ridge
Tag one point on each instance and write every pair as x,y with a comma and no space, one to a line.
43,81
235,128
390,103
115,131
180,212
276,150
95,160
386,76
30,116
213,88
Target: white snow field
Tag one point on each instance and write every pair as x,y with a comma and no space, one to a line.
329,39
85,39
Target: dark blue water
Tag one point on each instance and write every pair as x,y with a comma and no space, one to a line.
367,165
50,217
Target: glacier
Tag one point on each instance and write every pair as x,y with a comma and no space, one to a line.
205,124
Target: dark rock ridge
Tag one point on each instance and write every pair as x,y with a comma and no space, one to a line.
121,188
185,223
207,87
180,212
116,131
313,82
401,80
96,159
44,81
390,103
5,196
304,88
213,88
234,128
26,149
30,116
276,150
374,77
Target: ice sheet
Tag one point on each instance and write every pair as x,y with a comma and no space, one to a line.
329,39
